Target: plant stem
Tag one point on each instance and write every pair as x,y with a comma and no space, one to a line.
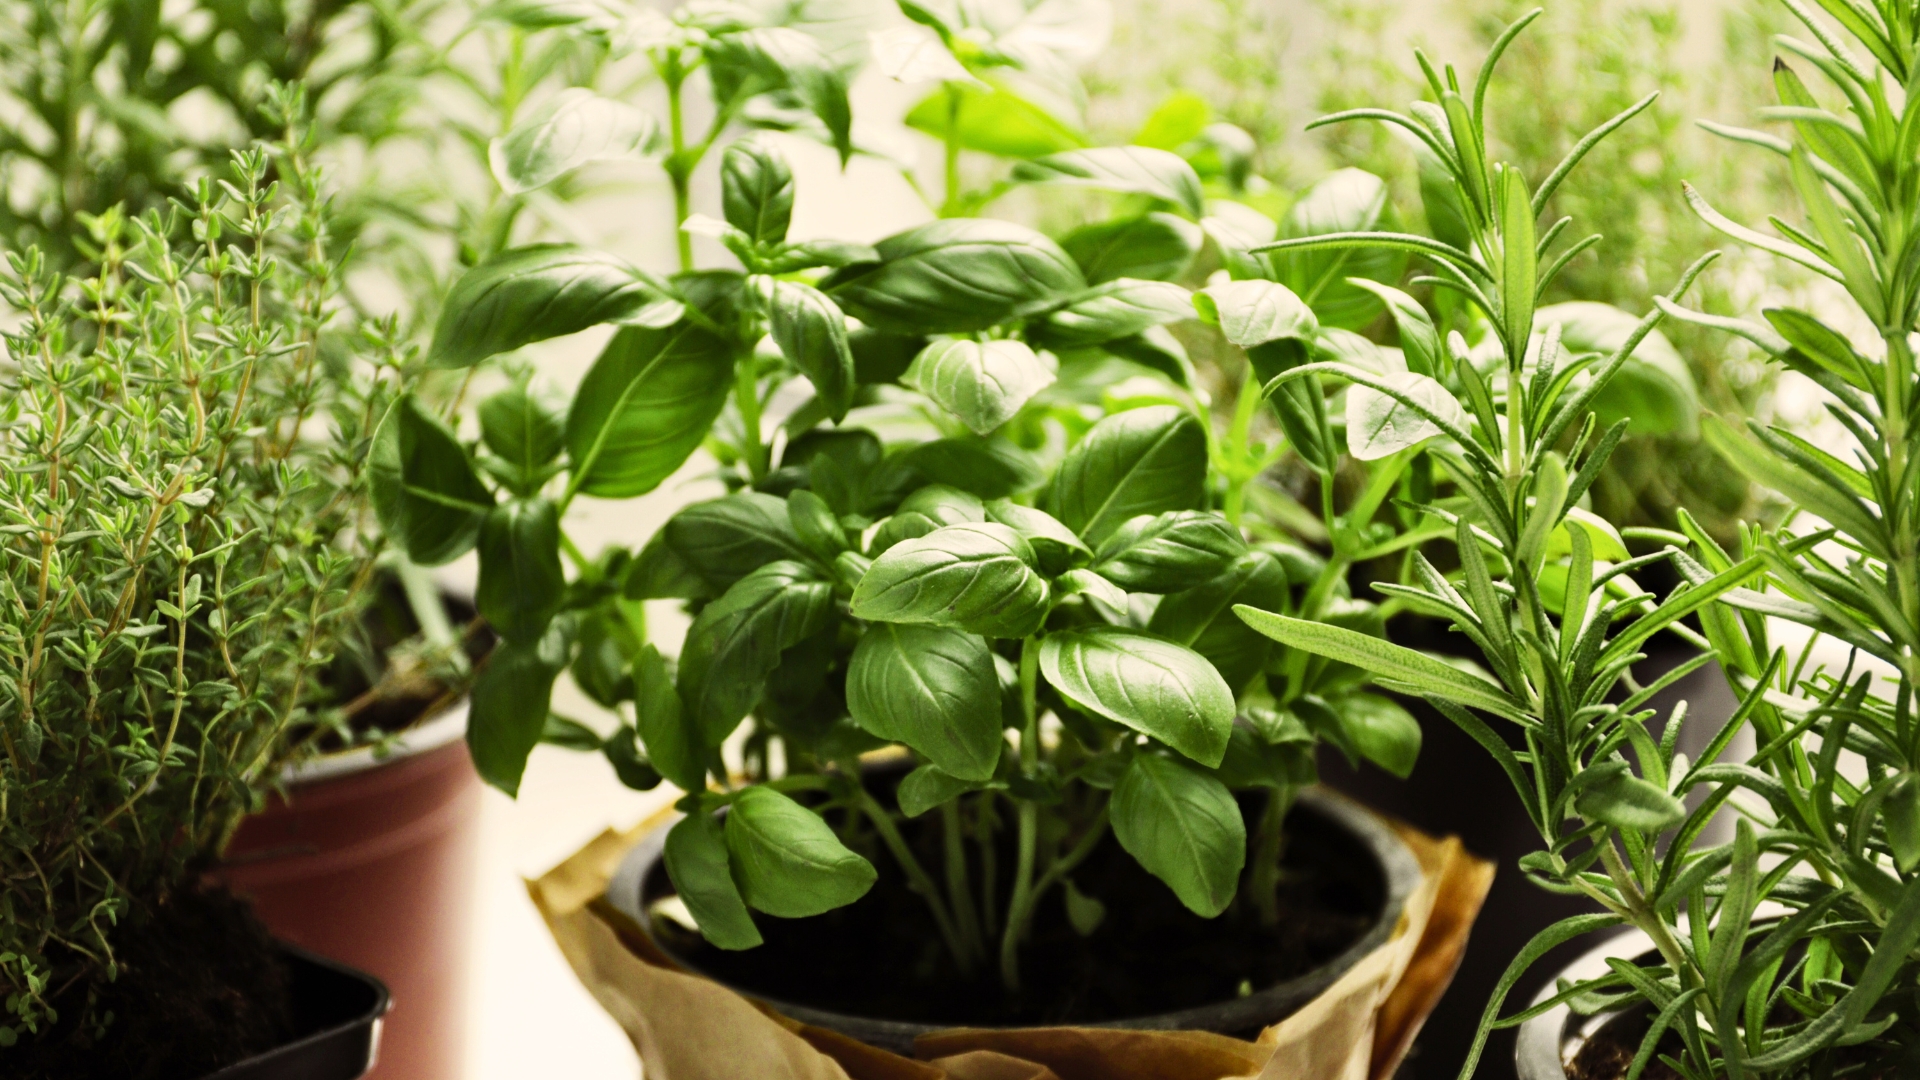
959,891
951,206
679,170
1270,843
917,877
989,864
746,397
1029,816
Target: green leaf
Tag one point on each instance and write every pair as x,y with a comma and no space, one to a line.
723,540
1168,552
1054,545
1120,308
780,57
1149,684
990,468
696,857
659,573
1142,461
606,647
424,490
1421,672
1175,122
1520,270
1348,201
1084,913
927,787
1202,617
1618,798
1822,344
1901,815
1653,390
956,276
814,522
812,334
673,743
984,383
932,507
521,583
736,641
630,766
1255,312
933,689
1380,731
1768,469
1152,247
1133,170
1419,339
1184,828
511,698
518,429
533,293
977,577
994,120
644,407
569,734
786,860
756,190
1381,424
576,127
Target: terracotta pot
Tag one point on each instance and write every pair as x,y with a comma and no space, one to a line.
372,861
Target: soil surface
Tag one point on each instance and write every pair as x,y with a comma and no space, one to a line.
881,957
1608,1055
201,986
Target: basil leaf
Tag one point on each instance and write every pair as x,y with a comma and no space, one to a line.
1168,552
576,127
781,58
697,864
533,293
1157,349
1149,684
672,742
756,191
659,573
1380,424
630,766
1054,545
520,430
606,647
1202,617
977,577
736,641
1117,309
990,468
723,540
511,699
932,507
984,383
993,120
644,406
424,490
1379,730
1142,461
521,584
1349,200
1255,312
933,689
1419,339
787,861
956,276
813,521
1184,828
812,334
1152,247
927,787
1134,170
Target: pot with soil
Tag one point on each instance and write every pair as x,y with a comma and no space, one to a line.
366,852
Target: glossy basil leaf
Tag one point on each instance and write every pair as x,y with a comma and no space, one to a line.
994,120
933,689
1110,599
1380,425
1350,200
1419,340
1202,617
1165,553
779,57
520,430
659,573
630,765
1157,349
811,253
736,641
1153,247
814,522
1653,391
1133,170
1256,312
932,507
786,860
697,864
511,698
725,539
425,493
812,334
1252,761
644,406
1379,730
977,577
541,291
956,276
1054,545
756,190
984,383
927,787
576,127
1184,828
521,583
600,660
672,742
569,734
1142,461
1121,308
990,468
1145,682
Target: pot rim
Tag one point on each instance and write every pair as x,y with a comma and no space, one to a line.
1548,1042
344,1048
1399,869
437,730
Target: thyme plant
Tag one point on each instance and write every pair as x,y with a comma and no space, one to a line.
171,577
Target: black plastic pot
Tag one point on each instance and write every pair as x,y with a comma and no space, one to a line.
641,879
336,1011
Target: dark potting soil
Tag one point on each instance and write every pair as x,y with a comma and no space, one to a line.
1608,1054
201,986
882,957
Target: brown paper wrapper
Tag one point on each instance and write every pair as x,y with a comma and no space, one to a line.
688,1027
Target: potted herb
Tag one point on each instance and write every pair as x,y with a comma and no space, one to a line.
173,586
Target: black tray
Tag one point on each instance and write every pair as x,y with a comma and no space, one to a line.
336,1011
